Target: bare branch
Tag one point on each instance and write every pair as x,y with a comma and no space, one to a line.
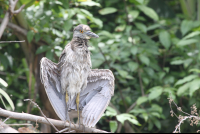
26,124
4,23
9,13
39,119
12,74
11,41
12,5
16,28
18,10
42,113
131,107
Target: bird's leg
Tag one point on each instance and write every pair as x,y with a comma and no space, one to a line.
67,115
77,104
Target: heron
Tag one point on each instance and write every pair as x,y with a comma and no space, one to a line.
72,85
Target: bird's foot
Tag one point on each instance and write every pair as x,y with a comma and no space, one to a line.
68,127
83,127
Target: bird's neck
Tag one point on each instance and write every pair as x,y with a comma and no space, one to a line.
80,40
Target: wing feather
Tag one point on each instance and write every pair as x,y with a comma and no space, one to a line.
49,75
96,96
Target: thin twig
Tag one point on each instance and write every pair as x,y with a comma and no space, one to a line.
11,41
131,107
29,107
42,113
12,74
6,119
19,124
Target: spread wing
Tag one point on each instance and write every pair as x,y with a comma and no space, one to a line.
96,96
93,99
49,75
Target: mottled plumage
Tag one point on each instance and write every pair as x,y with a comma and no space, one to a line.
73,76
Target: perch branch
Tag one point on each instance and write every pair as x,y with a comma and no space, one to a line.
42,113
39,119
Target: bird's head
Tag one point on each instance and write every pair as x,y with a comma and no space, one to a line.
84,32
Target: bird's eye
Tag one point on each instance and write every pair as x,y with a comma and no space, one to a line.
81,31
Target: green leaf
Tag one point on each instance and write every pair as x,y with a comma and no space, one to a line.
110,111
141,27
155,114
134,13
98,22
145,116
155,92
81,19
154,26
136,111
149,12
144,59
164,38
123,73
7,98
3,102
157,123
194,85
132,66
141,100
193,34
68,25
41,49
122,117
194,70
134,50
5,84
147,39
90,3
186,26
183,89
150,125
186,79
107,10
120,28
176,62
186,42
86,12
50,53
113,126
27,3
37,37
30,36
4,60
105,33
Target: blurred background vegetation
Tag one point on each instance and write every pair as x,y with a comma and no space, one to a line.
151,46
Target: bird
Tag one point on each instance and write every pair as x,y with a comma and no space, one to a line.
72,85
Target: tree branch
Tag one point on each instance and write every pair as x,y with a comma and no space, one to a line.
11,41
39,119
9,13
6,129
16,28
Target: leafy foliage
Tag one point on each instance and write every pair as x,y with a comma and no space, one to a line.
152,50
